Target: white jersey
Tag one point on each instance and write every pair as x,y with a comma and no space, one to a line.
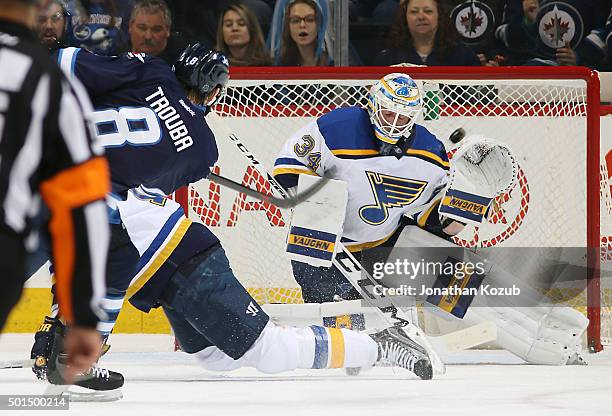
149,218
381,189
164,238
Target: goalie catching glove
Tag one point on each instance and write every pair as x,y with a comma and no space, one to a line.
481,170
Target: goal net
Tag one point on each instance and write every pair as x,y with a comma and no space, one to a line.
548,116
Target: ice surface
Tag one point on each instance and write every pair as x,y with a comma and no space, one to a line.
162,382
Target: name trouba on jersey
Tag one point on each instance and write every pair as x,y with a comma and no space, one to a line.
171,118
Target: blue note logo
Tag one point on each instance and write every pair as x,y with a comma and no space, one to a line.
389,192
404,87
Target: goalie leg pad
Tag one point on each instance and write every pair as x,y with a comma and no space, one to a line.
313,237
548,336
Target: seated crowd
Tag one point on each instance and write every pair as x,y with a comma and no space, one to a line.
381,32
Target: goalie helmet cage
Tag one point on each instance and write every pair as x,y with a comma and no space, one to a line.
549,117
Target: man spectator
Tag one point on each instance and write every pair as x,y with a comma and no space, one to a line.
150,31
51,25
149,27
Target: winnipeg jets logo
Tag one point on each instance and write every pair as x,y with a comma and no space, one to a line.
252,309
389,192
560,23
473,20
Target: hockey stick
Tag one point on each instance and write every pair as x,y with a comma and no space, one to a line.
16,364
352,270
288,202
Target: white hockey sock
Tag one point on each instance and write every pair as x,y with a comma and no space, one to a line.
287,348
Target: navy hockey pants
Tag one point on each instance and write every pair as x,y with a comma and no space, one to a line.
206,305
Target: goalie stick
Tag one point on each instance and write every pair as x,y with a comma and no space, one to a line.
353,272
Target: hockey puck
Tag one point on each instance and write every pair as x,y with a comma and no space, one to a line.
457,135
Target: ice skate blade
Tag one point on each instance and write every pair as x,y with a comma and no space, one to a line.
81,394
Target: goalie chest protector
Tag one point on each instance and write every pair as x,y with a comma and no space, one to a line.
341,145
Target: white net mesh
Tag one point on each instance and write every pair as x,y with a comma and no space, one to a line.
543,122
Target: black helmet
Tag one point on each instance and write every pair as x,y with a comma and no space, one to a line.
202,69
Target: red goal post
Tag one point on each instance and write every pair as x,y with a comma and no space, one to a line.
267,104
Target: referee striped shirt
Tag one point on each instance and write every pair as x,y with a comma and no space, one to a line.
46,149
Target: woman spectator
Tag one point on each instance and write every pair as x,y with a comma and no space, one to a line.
422,34
301,40
240,38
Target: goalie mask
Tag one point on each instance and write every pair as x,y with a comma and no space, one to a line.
394,103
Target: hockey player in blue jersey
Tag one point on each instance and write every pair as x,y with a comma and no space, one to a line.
152,126
151,120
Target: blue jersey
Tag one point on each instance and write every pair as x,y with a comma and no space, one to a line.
152,134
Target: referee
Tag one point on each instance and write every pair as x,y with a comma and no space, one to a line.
46,149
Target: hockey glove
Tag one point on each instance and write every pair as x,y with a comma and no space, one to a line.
43,343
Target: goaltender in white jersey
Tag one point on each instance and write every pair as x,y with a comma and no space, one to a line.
398,173
391,164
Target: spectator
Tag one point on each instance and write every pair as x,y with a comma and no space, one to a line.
297,35
422,34
149,27
560,32
239,37
51,24
100,26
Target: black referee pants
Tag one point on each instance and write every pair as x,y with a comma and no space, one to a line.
12,271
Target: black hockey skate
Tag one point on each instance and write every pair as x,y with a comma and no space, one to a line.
96,379
395,347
